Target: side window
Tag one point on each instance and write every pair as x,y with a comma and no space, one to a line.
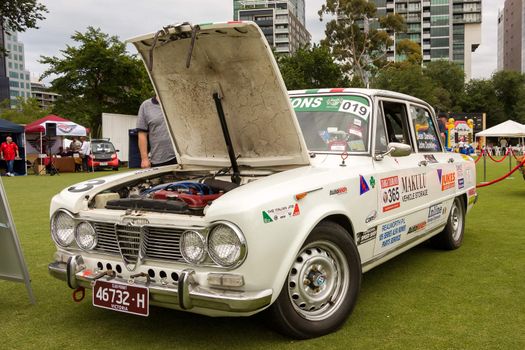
396,122
426,135
381,143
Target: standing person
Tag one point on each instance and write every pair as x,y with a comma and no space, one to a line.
8,152
75,145
152,128
503,144
84,152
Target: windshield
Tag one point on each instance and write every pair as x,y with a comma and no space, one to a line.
337,123
102,147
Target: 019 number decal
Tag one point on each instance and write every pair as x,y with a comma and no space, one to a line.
355,107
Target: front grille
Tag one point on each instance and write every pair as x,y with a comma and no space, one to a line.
129,241
161,243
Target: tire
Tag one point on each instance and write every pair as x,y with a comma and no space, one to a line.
452,236
329,267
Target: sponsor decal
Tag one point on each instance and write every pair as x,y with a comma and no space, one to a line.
471,200
461,183
391,232
430,158
363,186
371,217
447,180
334,102
459,170
65,128
417,227
340,190
85,186
280,213
413,187
355,131
435,212
367,236
390,193
372,182
472,192
468,176
357,122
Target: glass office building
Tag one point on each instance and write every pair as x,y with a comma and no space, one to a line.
19,79
281,21
445,29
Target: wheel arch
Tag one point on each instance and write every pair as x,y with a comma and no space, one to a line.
342,220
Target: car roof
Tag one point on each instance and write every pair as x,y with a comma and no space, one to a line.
368,92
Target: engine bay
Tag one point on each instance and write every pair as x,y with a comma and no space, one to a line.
174,192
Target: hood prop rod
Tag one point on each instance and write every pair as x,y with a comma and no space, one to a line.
236,177
194,32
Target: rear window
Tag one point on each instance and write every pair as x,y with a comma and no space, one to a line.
334,123
102,147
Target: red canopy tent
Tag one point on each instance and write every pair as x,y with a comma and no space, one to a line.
51,126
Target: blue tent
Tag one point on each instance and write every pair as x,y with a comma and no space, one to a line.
16,131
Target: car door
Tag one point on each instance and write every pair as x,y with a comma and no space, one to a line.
441,170
402,181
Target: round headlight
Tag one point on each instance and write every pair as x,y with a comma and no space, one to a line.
86,236
192,247
63,228
226,245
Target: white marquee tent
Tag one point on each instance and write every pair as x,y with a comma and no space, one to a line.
508,128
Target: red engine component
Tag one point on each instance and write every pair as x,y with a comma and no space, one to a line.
194,201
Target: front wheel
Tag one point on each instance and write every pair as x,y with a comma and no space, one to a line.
452,235
322,285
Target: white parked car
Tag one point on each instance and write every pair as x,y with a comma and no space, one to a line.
279,201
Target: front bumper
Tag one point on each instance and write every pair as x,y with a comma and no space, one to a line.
186,294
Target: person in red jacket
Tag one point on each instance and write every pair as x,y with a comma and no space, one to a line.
8,152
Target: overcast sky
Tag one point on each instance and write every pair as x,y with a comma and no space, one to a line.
128,18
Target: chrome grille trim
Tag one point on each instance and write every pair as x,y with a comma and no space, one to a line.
136,243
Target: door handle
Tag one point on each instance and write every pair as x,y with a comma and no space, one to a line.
451,160
423,163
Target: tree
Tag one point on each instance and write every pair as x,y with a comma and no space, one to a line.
19,15
480,97
23,112
508,88
310,68
449,77
355,39
411,50
97,76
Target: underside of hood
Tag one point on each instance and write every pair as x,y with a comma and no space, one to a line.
189,64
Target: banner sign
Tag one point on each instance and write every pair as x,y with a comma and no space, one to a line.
12,264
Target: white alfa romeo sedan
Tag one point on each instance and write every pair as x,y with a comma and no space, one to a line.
280,201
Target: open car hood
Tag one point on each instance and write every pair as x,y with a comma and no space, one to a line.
234,61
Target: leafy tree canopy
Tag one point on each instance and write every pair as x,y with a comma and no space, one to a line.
310,68
19,15
95,76
354,37
24,112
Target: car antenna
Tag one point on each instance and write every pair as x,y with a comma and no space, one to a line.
236,176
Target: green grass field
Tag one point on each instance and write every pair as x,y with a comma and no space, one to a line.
470,298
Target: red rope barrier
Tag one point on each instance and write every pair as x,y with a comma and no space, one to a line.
479,157
504,176
514,155
502,159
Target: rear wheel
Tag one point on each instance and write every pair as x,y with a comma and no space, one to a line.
322,285
452,236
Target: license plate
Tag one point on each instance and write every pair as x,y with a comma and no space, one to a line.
103,163
121,297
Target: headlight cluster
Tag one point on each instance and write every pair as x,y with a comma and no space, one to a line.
65,230
225,245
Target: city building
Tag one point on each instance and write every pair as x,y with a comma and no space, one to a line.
4,80
42,94
445,29
19,80
281,21
511,44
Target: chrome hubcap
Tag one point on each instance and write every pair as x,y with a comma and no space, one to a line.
318,280
456,220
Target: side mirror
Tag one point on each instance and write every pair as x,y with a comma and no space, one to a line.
395,149
117,150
